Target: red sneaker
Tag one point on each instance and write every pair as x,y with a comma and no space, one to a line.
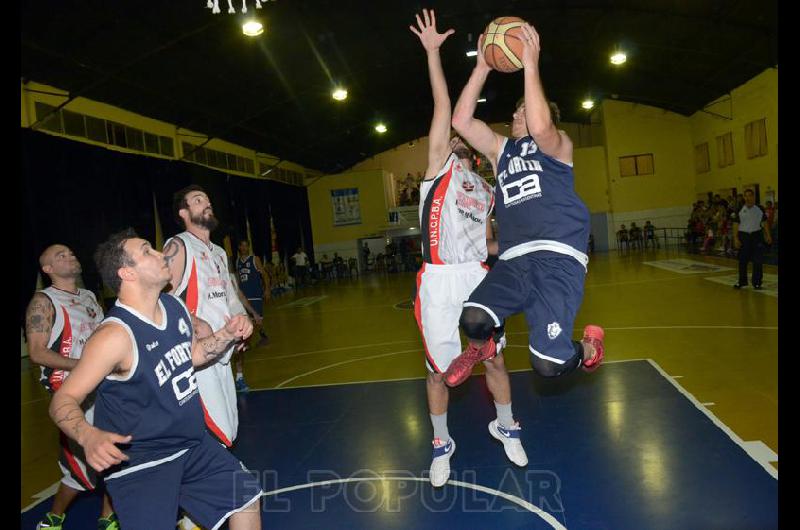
593,335
462,366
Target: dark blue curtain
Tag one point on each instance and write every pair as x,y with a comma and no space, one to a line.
78,194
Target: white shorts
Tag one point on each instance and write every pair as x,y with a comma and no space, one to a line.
441,293
218,395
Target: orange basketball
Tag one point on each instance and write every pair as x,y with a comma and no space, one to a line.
502,44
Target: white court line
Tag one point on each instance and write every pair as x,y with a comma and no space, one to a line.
34,401
415,378
42,496
732,435
549,519
708,404
301,354
631,328
683,277
415,350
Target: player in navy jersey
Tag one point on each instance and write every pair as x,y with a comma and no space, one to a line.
543,232
455,208
251,279
142,361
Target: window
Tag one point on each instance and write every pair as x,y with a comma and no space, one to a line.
150,143
755,138
166,146
630,166
73,123
135,138
96,129
52,120
702,163
725,150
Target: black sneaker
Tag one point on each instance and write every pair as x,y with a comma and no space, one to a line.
738,285
757,287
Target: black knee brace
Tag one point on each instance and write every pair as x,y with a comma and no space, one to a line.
476,323
546,368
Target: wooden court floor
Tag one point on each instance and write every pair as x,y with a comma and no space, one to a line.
721,344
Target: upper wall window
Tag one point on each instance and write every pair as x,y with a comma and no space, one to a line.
725,150
702,163
630,166
755,138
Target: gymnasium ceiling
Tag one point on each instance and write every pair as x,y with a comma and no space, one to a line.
176,61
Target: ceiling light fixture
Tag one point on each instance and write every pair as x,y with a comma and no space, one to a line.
482,100
381,128
587,104
618,58
252,28
340,94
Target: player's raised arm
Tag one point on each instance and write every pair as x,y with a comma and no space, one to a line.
473,130
438,137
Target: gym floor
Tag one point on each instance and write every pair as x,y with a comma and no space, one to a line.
678,430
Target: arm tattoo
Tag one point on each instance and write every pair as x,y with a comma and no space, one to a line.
214,346
170,251
39,316
70,418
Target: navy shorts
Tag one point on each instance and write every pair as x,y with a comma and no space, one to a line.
258,305
207,481
547,287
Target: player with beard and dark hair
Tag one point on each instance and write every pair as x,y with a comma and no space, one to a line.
455,206
200,278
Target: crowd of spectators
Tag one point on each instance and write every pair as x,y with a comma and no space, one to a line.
710,225
638,237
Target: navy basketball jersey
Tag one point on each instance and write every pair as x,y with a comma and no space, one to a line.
536,206
249,277
157,402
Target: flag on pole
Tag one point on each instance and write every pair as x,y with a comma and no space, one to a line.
159,232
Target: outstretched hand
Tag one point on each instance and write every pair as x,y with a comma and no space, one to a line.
530,46
430,38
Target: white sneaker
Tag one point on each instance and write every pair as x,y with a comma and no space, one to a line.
440,466
511,442
500,344
187,524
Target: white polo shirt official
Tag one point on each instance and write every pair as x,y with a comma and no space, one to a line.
750,219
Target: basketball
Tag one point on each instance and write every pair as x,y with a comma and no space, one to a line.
502,44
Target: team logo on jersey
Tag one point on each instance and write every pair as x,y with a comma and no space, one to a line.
92,313
468,186
553,330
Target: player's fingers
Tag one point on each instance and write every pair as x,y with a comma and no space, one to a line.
116,454
414,31
120,439
449,32
419,23
433,18
427,17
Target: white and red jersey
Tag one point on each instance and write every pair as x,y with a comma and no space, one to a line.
76,317
208,292
453,210
205,286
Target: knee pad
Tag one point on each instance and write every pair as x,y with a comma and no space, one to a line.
546,368
476,323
